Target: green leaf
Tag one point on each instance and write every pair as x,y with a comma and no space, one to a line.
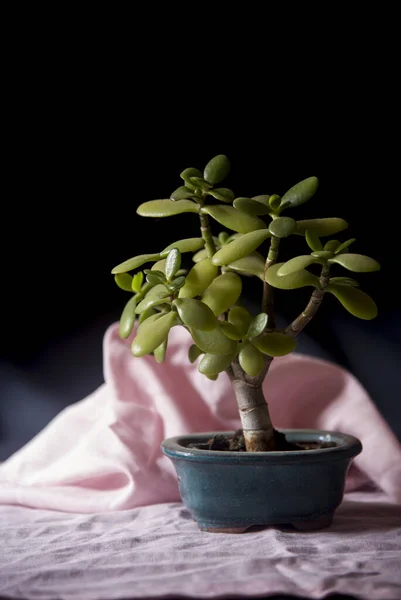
222,238
134,263
230,331
152,333
155,277
177,283
344,245
159,294
160,352
127,319
357,303
222,293
253,264
212,377
217,169
321,227
251,207
195,313
313,240
257,326
160,265
124,281
150,312
212,364
274,202
137,281
344,281
263,198
213,342
231,218
323,254
275,344
182,193
201,255
193,353
198,279
173,263
298,263
186,245
201,183
240,247
188,173
251,360
290,282
300,193
240,318
166,208
356,262
222,194
332,245
282,227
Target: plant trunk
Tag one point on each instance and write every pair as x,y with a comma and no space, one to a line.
256,424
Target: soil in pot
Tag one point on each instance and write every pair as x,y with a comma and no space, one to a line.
236,443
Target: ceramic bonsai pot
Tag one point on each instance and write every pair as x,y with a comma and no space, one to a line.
228,492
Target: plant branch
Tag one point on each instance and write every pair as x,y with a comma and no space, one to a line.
267,300
311,308
207,235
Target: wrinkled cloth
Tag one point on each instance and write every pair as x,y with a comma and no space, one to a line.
103,452
157,551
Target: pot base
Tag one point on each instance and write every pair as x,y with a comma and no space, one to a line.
316,524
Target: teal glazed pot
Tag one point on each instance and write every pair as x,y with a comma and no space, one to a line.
228,492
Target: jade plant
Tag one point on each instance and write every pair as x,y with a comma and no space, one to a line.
206,296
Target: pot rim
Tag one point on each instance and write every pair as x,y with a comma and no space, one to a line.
348,447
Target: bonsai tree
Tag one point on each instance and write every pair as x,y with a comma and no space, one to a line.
206,297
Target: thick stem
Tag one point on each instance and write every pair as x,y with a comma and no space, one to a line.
207,235
311,308
254,413
267,300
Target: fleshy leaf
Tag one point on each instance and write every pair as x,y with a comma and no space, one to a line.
274,202
150,312
222,238
230,331
344,281
217,169
241,318
188,173
152,333
282,227
213,342
222,194
166,208
159,294
251,360
124,281
222,293
201,183
193,353
127,319
195,313
182,193
253,264
155,277
160,352
296,264
296,280
173,263
321,227
300,192
332,245
251,207
356,262
240,247
275,344
257,326
357,303
212,364
313,240
160,265
176,283
201,255
323,254
134,263
186,245
231,218
198,279
137,281
263,198
344,245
